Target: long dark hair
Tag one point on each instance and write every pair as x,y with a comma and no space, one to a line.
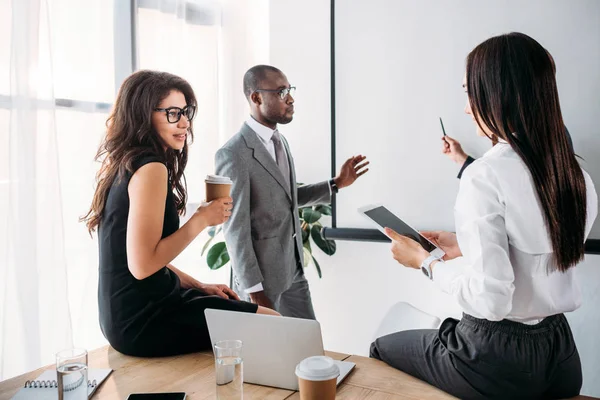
130,135
512,91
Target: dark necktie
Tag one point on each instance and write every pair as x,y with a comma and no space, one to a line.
282,162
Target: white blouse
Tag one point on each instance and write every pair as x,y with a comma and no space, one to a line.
507,252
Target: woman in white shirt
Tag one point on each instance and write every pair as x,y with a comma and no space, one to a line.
522,215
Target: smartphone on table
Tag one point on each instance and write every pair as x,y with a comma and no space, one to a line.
157,396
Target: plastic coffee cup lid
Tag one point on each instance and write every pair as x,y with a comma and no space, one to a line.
317,368
218,179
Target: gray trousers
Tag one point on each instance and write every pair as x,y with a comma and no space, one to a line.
294,302
480,359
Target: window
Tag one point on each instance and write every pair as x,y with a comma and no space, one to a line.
5,35
53,104
83,49
83,67
189,50
4,146
186,43
86,49
4,160
78,136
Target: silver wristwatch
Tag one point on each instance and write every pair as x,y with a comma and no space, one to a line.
426,266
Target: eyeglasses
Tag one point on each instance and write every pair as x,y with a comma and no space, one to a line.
283,93
174,113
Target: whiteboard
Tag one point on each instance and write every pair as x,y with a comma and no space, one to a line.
399,65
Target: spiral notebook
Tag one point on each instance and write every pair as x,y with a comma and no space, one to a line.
45,386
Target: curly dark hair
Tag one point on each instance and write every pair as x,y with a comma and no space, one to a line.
130,136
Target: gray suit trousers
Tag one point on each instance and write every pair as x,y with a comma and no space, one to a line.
295,302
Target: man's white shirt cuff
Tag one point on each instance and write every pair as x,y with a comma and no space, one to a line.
256,288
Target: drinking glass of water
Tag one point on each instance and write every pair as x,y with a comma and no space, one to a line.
229,370
72,374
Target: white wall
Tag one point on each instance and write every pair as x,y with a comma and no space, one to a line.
400,66
243,44
361,281
300,48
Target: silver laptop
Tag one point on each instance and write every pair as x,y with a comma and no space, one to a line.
272,346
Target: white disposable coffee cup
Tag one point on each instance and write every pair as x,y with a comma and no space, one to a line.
217,186
317,378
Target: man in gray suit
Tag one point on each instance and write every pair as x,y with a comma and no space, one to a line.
263,233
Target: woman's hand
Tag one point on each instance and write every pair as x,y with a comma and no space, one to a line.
445,241
216,212
406,251
453,150
223,291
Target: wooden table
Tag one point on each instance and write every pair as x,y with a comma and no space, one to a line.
195,375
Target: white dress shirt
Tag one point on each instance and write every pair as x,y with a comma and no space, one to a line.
265,135
507,252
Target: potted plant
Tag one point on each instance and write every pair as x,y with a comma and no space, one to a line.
218,256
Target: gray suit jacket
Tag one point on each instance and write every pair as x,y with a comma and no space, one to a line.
264,225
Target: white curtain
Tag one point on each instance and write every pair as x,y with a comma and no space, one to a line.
35,319
58,63
56,82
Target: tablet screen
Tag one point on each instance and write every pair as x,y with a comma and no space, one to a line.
384,218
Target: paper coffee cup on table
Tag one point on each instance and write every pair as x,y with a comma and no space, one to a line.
217,186
317,378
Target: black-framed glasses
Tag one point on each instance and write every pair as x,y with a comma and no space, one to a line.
283,93
174,113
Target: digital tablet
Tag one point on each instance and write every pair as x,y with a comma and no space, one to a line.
384,218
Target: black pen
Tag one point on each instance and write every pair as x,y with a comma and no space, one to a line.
443,130
441,123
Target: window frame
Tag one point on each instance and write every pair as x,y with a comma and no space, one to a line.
125,60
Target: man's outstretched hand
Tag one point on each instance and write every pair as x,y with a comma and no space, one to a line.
351,170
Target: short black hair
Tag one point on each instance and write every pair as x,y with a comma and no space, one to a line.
254,77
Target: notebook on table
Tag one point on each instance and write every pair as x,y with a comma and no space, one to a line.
45,386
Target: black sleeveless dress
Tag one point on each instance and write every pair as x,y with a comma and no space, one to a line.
153,316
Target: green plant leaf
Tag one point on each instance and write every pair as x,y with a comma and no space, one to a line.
206,245
310,216
307,257
217,256
328,246
305,235
212,232
324,209
317,266
306,245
